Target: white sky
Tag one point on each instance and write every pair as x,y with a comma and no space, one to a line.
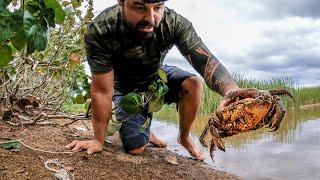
257,39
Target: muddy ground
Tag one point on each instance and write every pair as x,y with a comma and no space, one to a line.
112,163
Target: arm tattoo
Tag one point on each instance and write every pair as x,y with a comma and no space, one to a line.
214,73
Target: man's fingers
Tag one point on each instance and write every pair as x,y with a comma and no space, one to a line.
91,146
249,93
244,93
71,145
77,147
224,102
93,149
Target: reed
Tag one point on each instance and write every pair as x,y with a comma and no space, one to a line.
302,95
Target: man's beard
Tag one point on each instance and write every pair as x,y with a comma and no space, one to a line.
140,35
144,24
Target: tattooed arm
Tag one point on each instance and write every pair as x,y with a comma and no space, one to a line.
203,61
214,73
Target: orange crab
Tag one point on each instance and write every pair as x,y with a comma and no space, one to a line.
244,115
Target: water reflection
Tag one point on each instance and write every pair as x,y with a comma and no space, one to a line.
292,152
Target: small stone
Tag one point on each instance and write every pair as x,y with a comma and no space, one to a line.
171,159
69,168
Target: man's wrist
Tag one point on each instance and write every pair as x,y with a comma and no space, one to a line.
230,89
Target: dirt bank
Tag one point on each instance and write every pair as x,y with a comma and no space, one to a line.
112,163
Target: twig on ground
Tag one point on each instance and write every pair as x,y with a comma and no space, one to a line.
40,150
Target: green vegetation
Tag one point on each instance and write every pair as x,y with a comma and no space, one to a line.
302,95
42,52
74,108
287,132
210,99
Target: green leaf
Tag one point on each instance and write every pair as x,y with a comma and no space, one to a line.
155,104
33,7
131,104
11,145
50,16
163,75
19,41
5,55
145,125
37,38
40,38
28,20
153,87
4,4
161,90
10,23
30,43
60,14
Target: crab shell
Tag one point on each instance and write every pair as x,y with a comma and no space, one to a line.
246,114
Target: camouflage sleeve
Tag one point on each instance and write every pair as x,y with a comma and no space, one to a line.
99,57
203,61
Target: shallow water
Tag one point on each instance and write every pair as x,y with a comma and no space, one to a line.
292,152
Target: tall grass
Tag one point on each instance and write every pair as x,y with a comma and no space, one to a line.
210,99
302,95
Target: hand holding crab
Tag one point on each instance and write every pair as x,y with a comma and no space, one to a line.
242,111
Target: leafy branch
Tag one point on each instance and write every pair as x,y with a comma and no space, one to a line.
134,103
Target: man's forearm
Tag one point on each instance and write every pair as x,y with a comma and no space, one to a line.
214,73
101,113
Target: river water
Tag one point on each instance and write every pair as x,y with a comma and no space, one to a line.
292,152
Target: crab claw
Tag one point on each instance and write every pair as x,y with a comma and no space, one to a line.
217,138
278,115
204,134
212,148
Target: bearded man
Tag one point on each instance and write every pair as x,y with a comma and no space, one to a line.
126,45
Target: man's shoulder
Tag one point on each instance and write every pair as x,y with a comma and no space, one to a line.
106,20
169,15
173,19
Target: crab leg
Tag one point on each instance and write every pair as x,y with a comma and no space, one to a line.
217,138
212,148
205,133
281,92
215,141
278,115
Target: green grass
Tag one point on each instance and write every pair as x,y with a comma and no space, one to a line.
210,99
74,108
302,95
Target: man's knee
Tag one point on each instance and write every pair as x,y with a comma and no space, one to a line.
135,145
192,86
136,151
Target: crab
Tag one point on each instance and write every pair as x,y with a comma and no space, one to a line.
243,115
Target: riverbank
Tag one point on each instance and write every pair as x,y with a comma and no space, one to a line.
112,163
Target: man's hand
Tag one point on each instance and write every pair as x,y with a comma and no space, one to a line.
239,92
92,146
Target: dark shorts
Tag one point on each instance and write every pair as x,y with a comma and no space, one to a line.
135,131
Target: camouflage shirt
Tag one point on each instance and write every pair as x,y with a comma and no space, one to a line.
135,63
